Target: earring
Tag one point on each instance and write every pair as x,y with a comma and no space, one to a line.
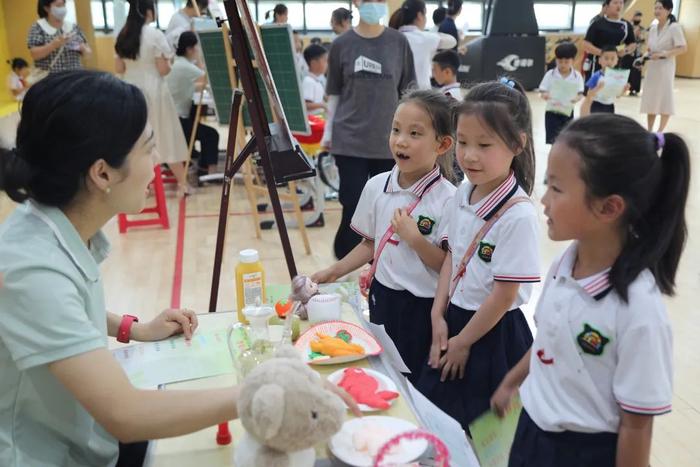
108,190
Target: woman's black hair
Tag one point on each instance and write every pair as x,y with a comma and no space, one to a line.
129,38
341,14
453,7
619,157
18,63
407,14
40,8
503,107
439,15
70,120
278,10
668,6
440,109
187,39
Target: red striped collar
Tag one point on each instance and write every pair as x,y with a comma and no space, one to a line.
490,205
597,286
419,188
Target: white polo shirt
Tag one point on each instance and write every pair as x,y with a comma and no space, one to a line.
509,252
595,355
453,90
400,267
313,90
553,74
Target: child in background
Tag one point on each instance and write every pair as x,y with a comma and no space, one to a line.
601,366
445,68
594,103
565,54
316,57
17,80
401,217
479,332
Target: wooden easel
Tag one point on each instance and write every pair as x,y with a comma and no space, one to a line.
254,186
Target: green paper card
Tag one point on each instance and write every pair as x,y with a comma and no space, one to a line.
493,436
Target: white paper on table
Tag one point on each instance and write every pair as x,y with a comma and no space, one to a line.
444,427
390,349
561,96
615,81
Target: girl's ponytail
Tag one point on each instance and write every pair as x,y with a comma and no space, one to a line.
666,215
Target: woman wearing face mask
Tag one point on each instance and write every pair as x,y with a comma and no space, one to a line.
411,20
369,67
635,79
666,40
54,43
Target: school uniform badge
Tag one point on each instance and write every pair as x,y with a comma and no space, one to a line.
591,340
485,251
425,225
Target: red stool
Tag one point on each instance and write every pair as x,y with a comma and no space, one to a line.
161,209
168,177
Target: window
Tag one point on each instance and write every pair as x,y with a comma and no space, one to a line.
554,16
313,16
584,13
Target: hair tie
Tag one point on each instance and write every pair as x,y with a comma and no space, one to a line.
508,82
660,140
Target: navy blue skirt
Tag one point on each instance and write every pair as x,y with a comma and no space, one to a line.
490,358
534,447
406,319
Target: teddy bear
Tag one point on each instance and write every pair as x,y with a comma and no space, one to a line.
285,411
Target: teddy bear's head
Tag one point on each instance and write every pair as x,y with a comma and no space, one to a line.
284,405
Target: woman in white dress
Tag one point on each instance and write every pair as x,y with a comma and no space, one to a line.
143,56
665,41
410,19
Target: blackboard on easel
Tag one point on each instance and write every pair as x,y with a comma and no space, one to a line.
277,43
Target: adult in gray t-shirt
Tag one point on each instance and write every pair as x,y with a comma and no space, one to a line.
367,76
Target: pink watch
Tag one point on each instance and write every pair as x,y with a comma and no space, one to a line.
124,332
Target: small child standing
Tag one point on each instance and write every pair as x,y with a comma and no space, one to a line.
402,218
478,330
601,366
594,103
314,89
17,80
445,69
565,54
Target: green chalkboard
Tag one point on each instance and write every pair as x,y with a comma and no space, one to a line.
211,40
278,44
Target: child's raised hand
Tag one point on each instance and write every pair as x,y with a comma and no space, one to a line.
439,344
405,226
454,360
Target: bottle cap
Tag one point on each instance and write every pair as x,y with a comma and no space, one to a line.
249,256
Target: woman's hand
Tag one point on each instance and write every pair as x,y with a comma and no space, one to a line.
502,398
439,344
455,359
170,322
60,40
343,394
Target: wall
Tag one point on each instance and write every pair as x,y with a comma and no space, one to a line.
5,96
19,16
688,64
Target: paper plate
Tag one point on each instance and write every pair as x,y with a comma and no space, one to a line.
385,384
359,336
342,445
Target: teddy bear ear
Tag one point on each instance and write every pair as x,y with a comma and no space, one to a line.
268,410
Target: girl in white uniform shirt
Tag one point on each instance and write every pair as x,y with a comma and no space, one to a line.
601,365
410,19
479,332
401,218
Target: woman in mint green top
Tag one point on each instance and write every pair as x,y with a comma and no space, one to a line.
84,153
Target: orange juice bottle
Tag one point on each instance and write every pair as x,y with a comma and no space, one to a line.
250,282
